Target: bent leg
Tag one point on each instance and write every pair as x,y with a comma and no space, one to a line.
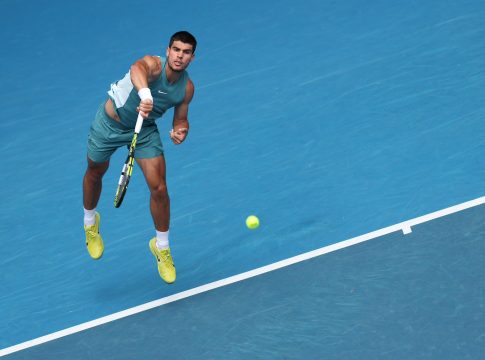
154,170
92,183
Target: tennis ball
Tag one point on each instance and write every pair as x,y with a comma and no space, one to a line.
252,222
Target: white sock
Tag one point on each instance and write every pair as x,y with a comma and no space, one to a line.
89,217
162,240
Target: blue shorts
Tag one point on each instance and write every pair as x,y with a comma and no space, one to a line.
106,135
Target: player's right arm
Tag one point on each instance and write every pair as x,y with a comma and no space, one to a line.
142,72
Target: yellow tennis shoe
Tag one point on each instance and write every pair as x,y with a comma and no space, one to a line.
166,268
94,242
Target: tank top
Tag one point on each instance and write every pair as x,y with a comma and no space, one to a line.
165,96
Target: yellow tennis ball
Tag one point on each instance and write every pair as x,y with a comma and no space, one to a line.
252,222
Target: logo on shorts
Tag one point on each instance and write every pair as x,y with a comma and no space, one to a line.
162,92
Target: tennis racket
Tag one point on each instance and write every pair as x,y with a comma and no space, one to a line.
128,166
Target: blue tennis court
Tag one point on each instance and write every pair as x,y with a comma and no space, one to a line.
398,296
327,120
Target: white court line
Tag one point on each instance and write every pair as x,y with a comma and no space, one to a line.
405,227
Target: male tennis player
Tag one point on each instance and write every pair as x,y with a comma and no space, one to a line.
152,86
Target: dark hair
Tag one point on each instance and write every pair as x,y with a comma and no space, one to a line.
185,37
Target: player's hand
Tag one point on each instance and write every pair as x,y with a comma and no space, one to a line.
178,135
145,107
146,102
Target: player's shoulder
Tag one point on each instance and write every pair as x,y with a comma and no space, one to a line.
154,62
189,87
152,59
189,91
190,84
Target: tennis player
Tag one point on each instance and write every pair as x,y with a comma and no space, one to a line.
151,87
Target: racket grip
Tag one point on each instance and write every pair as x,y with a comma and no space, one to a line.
139,122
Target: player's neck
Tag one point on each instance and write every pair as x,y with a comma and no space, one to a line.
172,75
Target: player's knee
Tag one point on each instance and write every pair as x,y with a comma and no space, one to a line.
96,170
160,192
95,173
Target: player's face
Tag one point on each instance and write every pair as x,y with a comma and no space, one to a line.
179,55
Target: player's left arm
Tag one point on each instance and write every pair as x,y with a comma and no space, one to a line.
180,116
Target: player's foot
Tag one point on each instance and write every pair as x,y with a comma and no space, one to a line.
94,242
166,268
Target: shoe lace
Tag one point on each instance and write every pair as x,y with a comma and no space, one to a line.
165,256
91,231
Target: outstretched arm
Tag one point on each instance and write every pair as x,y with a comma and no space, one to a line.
180,116
142,72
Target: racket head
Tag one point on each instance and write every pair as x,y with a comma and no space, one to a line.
125,174
121,190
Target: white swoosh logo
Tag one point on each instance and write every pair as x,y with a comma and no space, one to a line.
161,92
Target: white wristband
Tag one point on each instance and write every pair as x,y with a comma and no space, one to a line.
145,94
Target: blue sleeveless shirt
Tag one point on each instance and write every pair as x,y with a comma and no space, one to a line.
165,96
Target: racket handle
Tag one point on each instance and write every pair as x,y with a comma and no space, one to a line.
139,122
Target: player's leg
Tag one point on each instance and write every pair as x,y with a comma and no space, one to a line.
103,140
154,170
92,183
